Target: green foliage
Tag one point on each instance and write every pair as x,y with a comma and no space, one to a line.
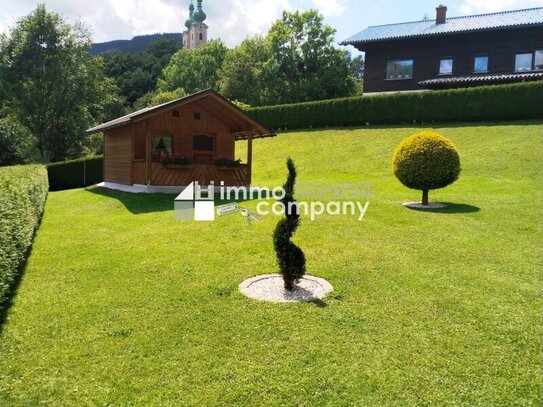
194,70
500,102
136,74
75,173
305,64
23,190
425,161
245,72
16,142
227,162
240,105
290,258
296,61
54,87
158,98
176,159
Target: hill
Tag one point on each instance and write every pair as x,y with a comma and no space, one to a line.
126,306
136,44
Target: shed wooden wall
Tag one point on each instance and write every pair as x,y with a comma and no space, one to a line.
125,147
184,127
501,47
118,155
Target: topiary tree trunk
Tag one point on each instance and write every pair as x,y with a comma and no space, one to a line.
290,258
424,197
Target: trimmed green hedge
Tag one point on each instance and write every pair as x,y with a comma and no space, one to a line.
500,102
75,173
23,190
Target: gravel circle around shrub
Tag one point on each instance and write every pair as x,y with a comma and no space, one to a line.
269,287
418,205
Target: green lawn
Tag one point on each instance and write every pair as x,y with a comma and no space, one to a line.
121,305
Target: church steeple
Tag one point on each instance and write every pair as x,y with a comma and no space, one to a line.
190,20
199,16
196,33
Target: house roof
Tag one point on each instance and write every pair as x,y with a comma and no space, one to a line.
480,22
475,80
251,125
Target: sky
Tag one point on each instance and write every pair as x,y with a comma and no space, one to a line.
233,20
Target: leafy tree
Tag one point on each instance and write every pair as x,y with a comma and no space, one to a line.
136,74
158,98
245,73
53,83
356,69
305,63
426,160
163,48
290,257
16,142
194,70
137,82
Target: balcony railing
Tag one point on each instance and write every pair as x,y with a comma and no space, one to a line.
180,175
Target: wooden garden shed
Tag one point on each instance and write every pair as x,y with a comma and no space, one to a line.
176,143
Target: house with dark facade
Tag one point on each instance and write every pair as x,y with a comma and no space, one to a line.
453,52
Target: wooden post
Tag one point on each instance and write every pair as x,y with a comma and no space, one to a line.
104,156
148,151
250,155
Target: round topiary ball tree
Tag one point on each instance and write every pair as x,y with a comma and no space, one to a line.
425,161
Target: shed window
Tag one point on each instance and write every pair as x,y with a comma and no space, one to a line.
401,69
446,66
202,143
480,64
162,146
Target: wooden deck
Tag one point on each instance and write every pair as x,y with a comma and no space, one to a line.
180,175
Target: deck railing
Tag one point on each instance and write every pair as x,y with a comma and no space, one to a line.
179,175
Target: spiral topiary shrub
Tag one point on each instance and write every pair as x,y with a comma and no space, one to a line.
425,161
290,258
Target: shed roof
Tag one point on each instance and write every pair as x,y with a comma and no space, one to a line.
480,22
250,125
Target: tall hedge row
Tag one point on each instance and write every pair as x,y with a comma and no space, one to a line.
500,102
23,190
75,173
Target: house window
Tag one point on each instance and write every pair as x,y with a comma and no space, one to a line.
446,66
529,61
196,116
538,60
480,64
523,62
401,69
201,36
162,146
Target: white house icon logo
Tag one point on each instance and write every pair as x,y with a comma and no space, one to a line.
195,203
